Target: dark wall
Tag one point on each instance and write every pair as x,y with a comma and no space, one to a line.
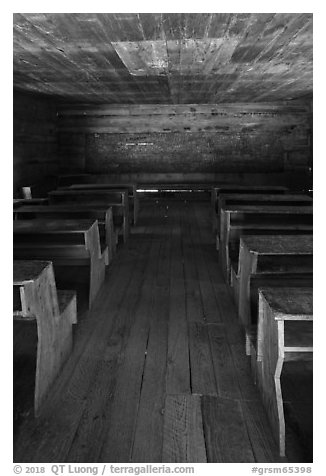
35,143
176,152
183,140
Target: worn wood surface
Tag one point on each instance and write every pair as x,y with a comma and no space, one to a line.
183,437
252,251
278,307
65,242
227,441
241,189
164,58
117,199
70,211
257,199
234,218
116,400
132,191
54,321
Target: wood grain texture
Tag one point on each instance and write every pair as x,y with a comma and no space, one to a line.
111,403
99,337
225,431
69,211
117,199
167,58
67,243
288,254
178,371
40,299
112,406
183,436
232,138
148,436
224,368
202,371
277,308
119,440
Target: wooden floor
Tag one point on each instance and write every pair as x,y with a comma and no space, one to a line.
158,372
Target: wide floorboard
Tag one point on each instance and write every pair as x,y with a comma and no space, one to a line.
158,371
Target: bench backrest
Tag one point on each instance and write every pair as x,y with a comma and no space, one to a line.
90,196
132,188
61,211
56,239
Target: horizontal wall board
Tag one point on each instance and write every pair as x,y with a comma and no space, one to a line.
193,118
194,152
197,138
178,109
35,152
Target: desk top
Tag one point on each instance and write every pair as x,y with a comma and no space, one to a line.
52,226
289,303
265,197
71,191
271,209
63,207
100,186
25,271
251,187
278,244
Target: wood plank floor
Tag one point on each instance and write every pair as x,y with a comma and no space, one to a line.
158,372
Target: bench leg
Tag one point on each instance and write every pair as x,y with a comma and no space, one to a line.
269,381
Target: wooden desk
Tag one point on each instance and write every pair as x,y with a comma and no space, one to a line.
132,193
65,242
117,199
54,312
72,211
268,199
285,333
276,254
240,189
237,220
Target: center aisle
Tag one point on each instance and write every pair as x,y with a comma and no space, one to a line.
158,372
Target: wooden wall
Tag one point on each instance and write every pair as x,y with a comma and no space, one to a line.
36,158
184,141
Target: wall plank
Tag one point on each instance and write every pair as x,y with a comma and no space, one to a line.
187,139
35,159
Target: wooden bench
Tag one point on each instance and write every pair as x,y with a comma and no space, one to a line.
117,199
49,314
240,189
260,199
269,261
100,181
261,255
132,193
285,333
238,220
72,211
68,243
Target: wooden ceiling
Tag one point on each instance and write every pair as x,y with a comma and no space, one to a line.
151,58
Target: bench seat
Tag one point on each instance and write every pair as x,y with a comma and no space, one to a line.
100,213
116,199
67,243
